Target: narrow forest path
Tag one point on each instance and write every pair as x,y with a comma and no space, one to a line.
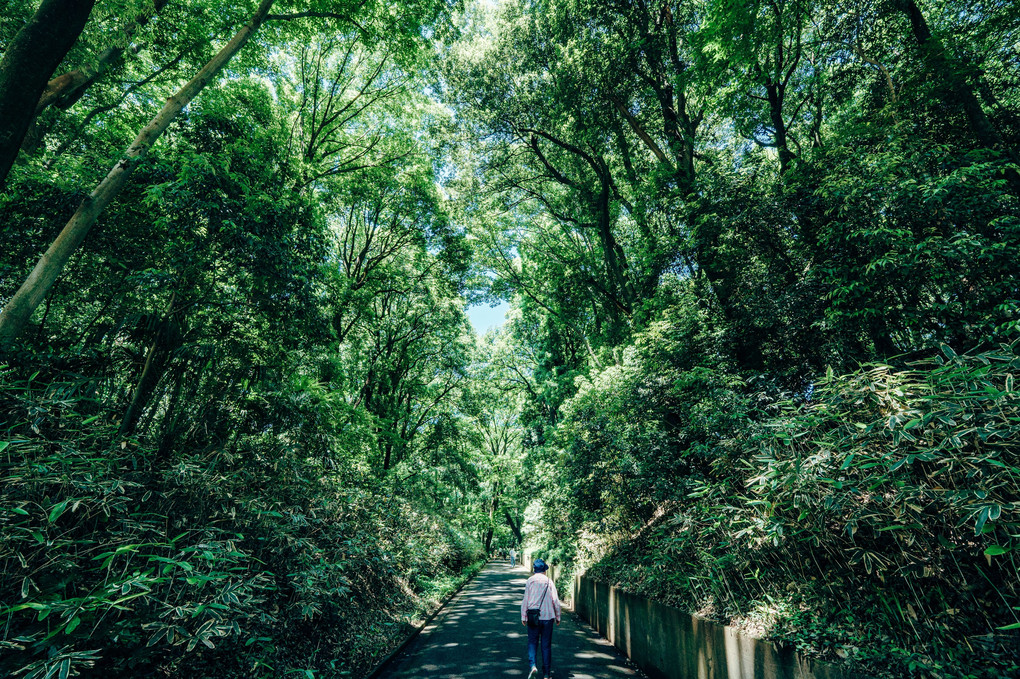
479,634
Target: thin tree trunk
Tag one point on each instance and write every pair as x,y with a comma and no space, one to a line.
19,309
42,323
150,372
492,518
488,539
69,87
40,130
168,425
27,64
776,93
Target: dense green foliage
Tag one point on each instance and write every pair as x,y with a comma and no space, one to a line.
762,259
234,435
263,559
759,363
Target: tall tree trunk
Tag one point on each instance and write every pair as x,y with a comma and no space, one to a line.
776,93
514,527
940,65
487,539
20,307
492,518
30,59
614,258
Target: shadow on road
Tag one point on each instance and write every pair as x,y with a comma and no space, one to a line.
479,634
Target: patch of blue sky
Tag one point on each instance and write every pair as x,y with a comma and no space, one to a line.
484,317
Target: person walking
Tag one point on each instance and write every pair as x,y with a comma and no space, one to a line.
513,557
540,608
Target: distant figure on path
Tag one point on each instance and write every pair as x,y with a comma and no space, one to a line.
513,557
539,608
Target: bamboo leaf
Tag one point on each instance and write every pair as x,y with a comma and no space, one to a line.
57,510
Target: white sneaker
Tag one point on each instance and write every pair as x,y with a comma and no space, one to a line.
533,673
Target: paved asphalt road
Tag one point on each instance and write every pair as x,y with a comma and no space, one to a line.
479,634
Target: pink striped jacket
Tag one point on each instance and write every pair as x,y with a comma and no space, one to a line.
533,593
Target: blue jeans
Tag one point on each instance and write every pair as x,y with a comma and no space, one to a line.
543,631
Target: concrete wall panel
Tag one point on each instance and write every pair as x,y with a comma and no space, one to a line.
667,643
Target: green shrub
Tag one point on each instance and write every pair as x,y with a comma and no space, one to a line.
251,561
877,523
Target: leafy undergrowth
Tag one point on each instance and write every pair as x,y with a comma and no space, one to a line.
252,562
877,526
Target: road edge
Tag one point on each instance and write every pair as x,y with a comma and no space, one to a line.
378,669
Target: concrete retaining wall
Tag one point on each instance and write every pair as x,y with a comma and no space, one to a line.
667,643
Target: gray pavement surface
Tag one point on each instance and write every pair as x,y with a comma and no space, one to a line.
479,634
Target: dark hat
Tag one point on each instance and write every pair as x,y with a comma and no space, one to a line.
540,566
